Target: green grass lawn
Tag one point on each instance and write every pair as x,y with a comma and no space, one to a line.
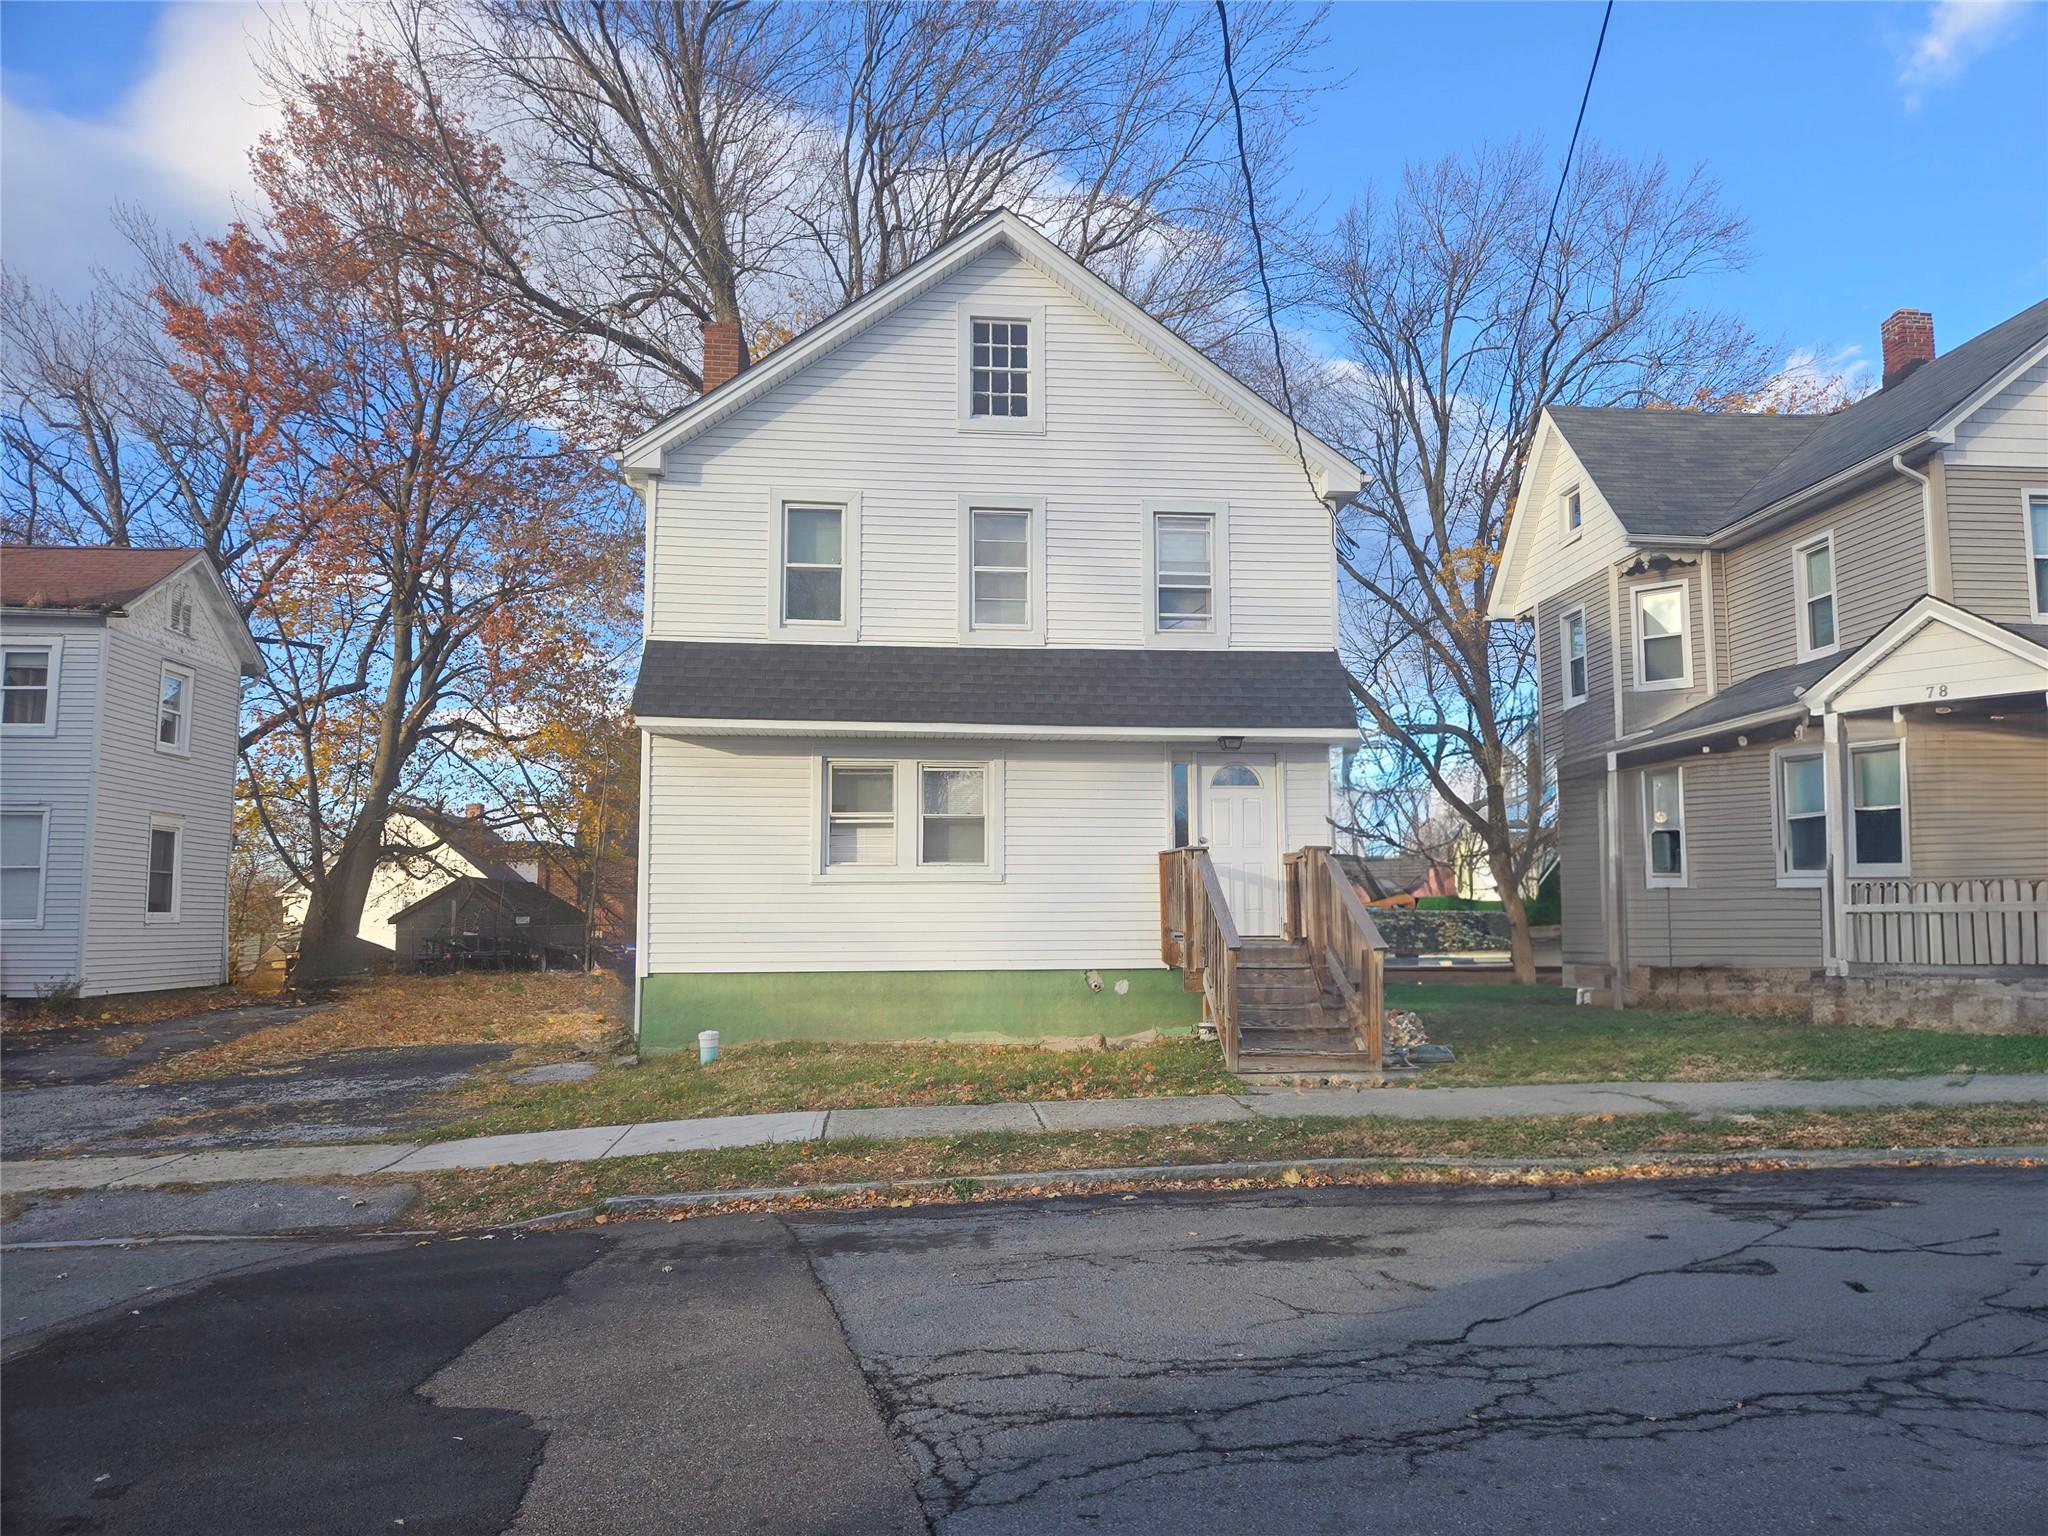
766,1077
1509,1034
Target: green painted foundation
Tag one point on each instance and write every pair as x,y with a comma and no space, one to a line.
967,1006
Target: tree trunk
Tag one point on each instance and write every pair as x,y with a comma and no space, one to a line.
328,946
1521,942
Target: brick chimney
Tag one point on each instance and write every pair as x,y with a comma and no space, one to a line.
1908,342
473,811
725,352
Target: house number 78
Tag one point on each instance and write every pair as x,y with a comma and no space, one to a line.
1937,690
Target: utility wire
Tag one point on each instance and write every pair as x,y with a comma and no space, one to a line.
1564,175
1251,202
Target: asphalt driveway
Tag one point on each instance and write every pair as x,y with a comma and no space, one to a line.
1858,1351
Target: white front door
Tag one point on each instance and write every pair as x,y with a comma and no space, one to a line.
1239,818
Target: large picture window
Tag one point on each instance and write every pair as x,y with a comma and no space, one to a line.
1878,830
1663,639
1802,817
1664,825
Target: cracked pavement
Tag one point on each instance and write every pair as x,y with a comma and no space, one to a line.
1861,1350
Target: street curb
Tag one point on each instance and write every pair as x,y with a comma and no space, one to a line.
1166,1173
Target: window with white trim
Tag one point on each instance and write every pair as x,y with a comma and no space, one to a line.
28,689
1877,830
1572,643
1663,637
860,816
999,568
1184,551
166,853
999,367
1664,826
174,710
813,564
1814,564
952,814
1571,513
2037,552
22,845
1802,810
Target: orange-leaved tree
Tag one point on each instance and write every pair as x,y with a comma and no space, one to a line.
428,443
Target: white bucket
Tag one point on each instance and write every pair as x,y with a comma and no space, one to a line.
707,1047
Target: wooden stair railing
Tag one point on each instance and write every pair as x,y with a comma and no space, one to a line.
1196,933
1324,909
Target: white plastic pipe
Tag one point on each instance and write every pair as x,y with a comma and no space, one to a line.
707,1047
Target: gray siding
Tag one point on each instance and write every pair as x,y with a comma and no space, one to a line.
54,773
125,953
1584,876
1880,568
1586,728
1733,911
1987,538
1641,710
1977,801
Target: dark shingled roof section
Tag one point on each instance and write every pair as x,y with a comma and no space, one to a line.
1775,689
511,893
1681,474
994,685
102,578
468,836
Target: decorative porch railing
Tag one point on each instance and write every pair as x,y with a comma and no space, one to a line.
1946,922
1344,944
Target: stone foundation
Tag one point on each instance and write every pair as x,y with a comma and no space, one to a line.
1761,990
1965,1005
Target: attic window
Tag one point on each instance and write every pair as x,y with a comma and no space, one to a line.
1571,513
999,382
179,620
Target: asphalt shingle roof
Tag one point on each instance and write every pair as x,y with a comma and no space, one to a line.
1686,475
994,685
95,577
1775,689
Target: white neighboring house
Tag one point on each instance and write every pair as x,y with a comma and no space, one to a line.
961,607
450,847
123,687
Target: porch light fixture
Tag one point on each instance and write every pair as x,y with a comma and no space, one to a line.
1944,709
1230,743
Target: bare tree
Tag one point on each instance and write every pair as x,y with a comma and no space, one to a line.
1460,326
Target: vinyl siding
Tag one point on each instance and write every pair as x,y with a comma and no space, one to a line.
1585,728
1733,911
1940,661
730,888
1987,538
123,952
877,419
1641,709
1880,568
54,773
2011,427
1977,801
1584,879
1548,565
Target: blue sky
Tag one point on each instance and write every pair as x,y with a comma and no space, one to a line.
1886,155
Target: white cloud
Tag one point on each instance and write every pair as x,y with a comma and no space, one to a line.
1957,31
1818,378
176,146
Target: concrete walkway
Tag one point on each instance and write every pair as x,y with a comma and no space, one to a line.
604,1141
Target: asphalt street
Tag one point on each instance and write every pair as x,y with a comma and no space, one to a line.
1856,1351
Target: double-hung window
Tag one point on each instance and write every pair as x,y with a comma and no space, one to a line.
813,565
952,815
860,820
999,367
22,845
1663,644
174,710
1664,825
28,693
1184,546
2037,552
1571,514
1815,563
1802,817
1572,644
166,850
999,569
1878,782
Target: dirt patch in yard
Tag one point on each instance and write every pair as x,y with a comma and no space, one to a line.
552,1015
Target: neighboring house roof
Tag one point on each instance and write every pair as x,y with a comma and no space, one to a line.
1765,696
1687,475
1120,691
1002,227
467,836
104,579
512,894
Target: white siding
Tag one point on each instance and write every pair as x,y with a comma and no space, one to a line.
134,781
54,773
1941,662
2009,428
1546,565
877,418
730,846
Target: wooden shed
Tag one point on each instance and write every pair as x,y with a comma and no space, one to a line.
488,923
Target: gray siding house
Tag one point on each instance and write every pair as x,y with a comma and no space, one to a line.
1794,683
122,697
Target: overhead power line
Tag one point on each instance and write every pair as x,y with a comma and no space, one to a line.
1571,149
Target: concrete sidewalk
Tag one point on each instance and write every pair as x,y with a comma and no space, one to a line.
591,1143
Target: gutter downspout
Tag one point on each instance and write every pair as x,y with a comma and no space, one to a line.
1937,569
1617,893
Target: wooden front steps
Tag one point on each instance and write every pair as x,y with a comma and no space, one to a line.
1287,1022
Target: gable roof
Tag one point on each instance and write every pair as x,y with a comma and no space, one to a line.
467,836
107,579
1685,476
516,896
1002,228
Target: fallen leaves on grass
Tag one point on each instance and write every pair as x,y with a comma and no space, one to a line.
132,1009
